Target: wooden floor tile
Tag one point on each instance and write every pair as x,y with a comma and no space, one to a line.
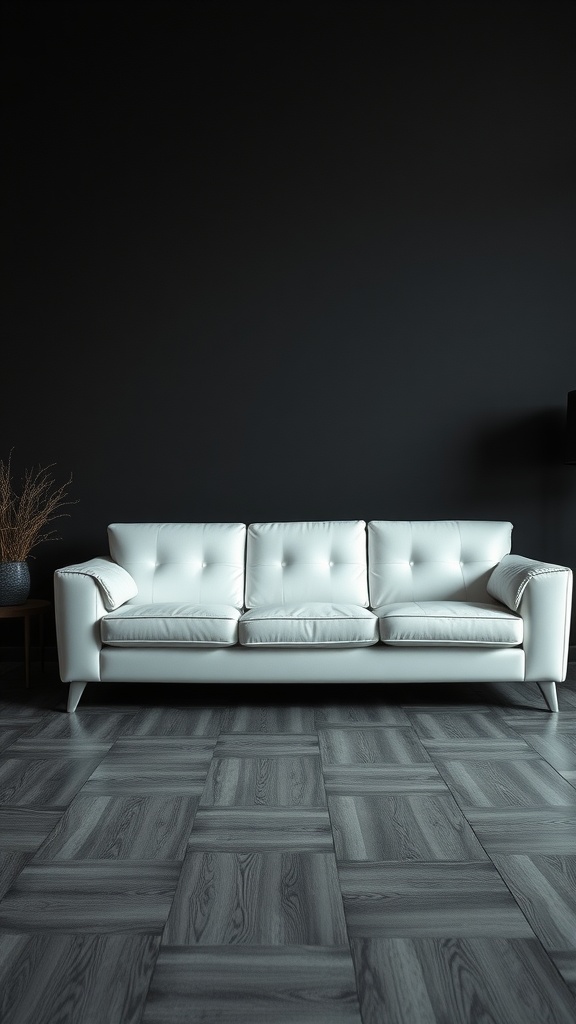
138,827
432,725
84,726
102,897
168,721
459,981
49,783
429,900
418,826
567,690
542,725
10,733
368,745
266,745
506,783
258,899
11,864
78,979
153,765
269,719
480,749
23,714
24,829
248,985
544,830
259,828
566,964
382,778
196,854
37,747
347,715
558,748
179,749
544,886
264,781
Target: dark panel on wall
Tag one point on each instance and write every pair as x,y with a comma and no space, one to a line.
291,261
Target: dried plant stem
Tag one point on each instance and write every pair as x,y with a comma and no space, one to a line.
24,515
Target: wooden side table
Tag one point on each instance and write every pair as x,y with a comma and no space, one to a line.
30,609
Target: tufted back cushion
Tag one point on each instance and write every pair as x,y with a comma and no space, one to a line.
438,560
199,563
318,561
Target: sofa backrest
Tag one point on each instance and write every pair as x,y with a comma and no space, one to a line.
310,561
200,563
434,560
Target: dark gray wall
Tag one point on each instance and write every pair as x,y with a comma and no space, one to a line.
291,261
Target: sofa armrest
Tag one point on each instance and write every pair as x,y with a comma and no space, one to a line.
115,583
541,592
83,593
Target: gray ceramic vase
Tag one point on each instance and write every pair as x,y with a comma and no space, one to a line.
14,583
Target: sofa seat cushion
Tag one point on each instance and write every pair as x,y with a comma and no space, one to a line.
171,624
448,624
313,624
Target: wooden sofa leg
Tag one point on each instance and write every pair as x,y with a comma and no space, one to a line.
550,696
75,691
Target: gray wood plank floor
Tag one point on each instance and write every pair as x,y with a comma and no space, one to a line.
303,855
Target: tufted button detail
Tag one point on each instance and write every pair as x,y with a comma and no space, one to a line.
330,563
411,563
283,564
204,564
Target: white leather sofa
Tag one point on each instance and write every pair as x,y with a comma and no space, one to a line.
330,602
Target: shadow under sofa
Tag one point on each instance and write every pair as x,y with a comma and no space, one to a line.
322,602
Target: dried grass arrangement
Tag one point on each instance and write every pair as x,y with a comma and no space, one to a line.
25,513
